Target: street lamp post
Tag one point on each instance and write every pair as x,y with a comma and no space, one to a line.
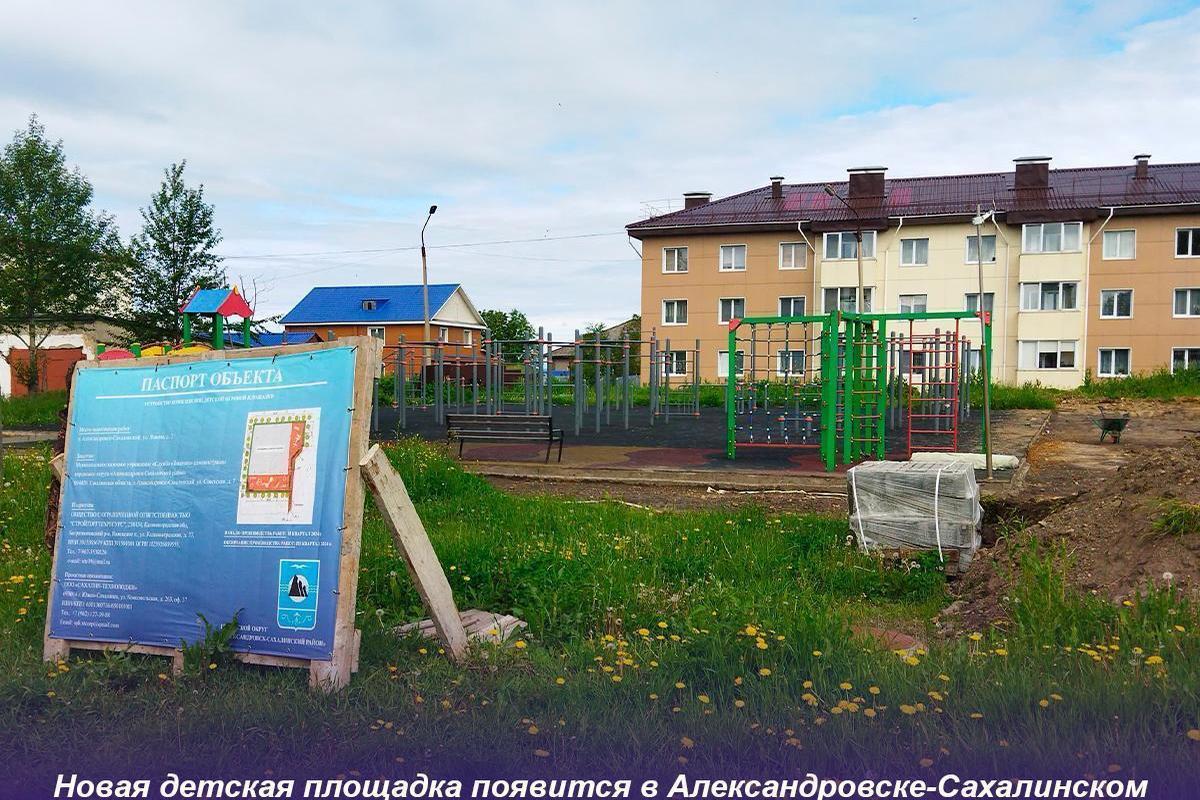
859,307
985,319
425,278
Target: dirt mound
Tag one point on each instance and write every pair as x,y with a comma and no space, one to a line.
1100,504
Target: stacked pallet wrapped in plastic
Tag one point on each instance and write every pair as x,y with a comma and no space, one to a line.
915,505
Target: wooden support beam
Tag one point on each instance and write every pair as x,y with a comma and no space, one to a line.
413,543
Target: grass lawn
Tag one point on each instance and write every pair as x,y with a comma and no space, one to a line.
656,641
32,411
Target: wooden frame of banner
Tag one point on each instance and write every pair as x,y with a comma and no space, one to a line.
328,675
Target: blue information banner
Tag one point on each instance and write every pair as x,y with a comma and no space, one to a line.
206,488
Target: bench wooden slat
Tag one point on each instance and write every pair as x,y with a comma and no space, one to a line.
504,427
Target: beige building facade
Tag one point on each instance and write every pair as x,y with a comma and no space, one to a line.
1083,270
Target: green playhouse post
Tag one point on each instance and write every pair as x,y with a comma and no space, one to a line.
220,304
730,378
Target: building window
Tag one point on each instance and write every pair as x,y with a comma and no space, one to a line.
674,312
1187,302
989,249
843,297
369,305
1118,244
1187,242
1050,296
330,335
989,301
910,361
733,257
914,252
1046,354
791,306
377,332
723,363
791,362
1185,358
843,245
793,255
677,362
1114,362
674,259
1052,237
468,337
443,334
914,303
730,308
1116,303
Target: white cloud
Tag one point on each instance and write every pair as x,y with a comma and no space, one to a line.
321,128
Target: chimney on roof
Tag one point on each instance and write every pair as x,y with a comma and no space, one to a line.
776,187
1033,172
694,199
1141,168
866,182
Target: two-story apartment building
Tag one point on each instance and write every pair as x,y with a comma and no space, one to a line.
1084,269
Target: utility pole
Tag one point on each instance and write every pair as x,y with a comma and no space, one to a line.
859,308
425,280
986,319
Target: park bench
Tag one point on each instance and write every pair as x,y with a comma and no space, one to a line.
465,428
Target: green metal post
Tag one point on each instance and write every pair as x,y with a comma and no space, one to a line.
848,405
246,332
187,328
136,349
218,339
987,376
829,381
730,416
881,386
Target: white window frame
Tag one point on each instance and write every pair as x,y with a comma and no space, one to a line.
1104,255
779,356
443,334
793,298
900,303
967,249
723,363
733,248
371,331
1186,303
721,320
868,252
1038,351
1110,374
1193,241
868,296
803,249
468,337
914,239
986,295
676,301
672,363
675,250
1040,284
1185,348
1041,237
370,305
1115,315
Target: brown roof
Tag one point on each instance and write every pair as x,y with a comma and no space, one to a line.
1078,192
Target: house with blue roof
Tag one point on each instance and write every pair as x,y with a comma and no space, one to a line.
393,313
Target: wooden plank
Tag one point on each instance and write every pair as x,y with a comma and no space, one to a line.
332,675
413,543
478,625
56,466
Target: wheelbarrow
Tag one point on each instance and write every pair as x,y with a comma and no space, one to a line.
1111,425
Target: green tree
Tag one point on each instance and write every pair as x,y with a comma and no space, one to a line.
173,255
59,259
508,325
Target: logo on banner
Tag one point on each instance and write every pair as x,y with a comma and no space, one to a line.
298,584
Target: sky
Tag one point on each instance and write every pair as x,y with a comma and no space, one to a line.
322,132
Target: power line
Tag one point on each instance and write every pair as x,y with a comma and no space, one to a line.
417,247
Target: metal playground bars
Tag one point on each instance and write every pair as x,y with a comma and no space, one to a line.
846,385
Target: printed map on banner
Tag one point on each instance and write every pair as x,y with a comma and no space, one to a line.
279,467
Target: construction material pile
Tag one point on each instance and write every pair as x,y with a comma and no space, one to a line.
906,505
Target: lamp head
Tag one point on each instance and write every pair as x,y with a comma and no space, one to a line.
432,210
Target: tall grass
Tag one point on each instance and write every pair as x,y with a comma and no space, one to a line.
39,410
1162,384
721,637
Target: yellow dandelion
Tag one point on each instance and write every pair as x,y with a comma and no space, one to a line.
520,644
907,709
845,686
680,684
616,678
873,689
703,698
1000,651
212,665
532,730
662,624
643,631
653,696
737,681
1194,734
869,712
764,672
687,742
540,753
1043,702
761,644
739,703
926,762
751,630
817,654
912,661
162,676
808,684
1154,660
560,680
976,715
